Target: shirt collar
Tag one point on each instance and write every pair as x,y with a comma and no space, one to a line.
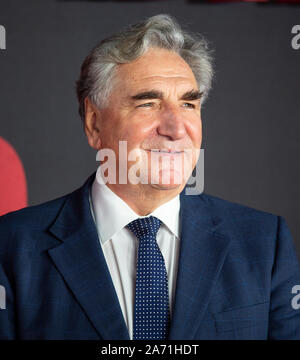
112,214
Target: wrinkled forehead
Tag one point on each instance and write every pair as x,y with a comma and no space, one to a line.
156,65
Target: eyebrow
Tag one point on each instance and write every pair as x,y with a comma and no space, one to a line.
154,94
192,95
150,94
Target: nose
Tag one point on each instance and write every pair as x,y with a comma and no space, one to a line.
171,123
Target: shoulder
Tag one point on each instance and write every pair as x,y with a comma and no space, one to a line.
41,216
231,211
252,231
234,219
36,216
26,234
21,230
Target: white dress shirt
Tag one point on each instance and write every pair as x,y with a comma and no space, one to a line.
120,247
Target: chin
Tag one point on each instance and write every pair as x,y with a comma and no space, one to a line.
167,181
167,186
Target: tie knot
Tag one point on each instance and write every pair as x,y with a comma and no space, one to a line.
144,227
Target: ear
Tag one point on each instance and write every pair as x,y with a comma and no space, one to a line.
92,124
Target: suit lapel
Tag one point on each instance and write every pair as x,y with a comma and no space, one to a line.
80,260
201,257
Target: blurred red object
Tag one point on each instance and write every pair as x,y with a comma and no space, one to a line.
13,187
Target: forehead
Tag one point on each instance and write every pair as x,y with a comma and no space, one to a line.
156,66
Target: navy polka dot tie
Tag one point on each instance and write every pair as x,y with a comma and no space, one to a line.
151,312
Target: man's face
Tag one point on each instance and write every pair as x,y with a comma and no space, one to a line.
154,104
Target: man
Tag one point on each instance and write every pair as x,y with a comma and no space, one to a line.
131,259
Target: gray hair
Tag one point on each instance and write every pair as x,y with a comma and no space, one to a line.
162,31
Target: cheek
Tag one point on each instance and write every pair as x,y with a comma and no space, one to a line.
139,131
194,130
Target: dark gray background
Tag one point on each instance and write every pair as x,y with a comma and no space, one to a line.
251,120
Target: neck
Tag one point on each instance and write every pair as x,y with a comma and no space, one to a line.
142,199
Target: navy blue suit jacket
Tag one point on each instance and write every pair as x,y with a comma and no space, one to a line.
237,267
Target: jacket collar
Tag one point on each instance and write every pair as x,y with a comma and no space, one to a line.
202,254
80,260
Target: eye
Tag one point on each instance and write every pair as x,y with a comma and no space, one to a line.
189,105
146,104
